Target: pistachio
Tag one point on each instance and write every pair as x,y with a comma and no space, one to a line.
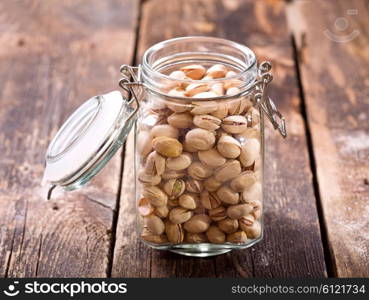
250,152
203,107
205,95
232,90
234,124
253,193
222,111
209,200
252,231
238,237
258,207
249,133
180,120
155,195
173,203
227,195
211,184
148,179
199,171
168,147
211,158
161,211
229,147
196,238
196,88
239,210
239,106
152,238
144,143
152,119
218,214
218,89
229,170
174,232
177,92
179,75
154,224
174,188
217,71
193,185
171,174
243,181
230,74
197,224
155,164
246,221
215,235
207,122
188,147
253,117
179,163
177,106
188,201
231,83
228,225
164,130
144,207
200,139
194,71
179,215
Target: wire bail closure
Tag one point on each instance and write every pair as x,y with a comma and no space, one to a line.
265,102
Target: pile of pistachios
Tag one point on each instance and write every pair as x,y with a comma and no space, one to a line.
200,161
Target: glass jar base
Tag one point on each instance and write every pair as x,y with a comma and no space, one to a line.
196,253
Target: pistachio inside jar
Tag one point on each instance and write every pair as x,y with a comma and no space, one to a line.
199,148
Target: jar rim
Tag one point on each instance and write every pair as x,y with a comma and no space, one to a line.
244,49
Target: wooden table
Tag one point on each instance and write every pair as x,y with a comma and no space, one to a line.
55,54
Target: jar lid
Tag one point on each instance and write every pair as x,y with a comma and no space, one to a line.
88,140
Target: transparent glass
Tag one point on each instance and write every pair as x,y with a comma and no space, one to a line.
199,148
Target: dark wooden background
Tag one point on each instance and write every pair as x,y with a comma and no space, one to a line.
55,54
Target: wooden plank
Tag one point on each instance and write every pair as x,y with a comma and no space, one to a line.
334,65
292,246
54,56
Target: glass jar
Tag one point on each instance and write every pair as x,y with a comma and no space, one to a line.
198,105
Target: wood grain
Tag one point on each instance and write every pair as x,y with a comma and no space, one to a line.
292,246
335,80
55,55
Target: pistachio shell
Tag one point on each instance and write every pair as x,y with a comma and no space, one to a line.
152,238
144,143
179,215
188,201
211,158
196,238
215,235
203,107
253,193
179,163
155,195
217,71
164,130
161,211
144,207
234,124
207,122
227,195
250,152
168,147
154,224
174,188
209,200
205,95
238,237
174,232
218,89
253,231
211,184
228,225
229,147
171,174
200,139
180,120
194,71
239,106
193,185
197,224
148,179
239,210
196,88
229,170
199,171
232,90
243,181
218,214
155,164
222,111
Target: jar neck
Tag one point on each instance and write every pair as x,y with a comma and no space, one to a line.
163,58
